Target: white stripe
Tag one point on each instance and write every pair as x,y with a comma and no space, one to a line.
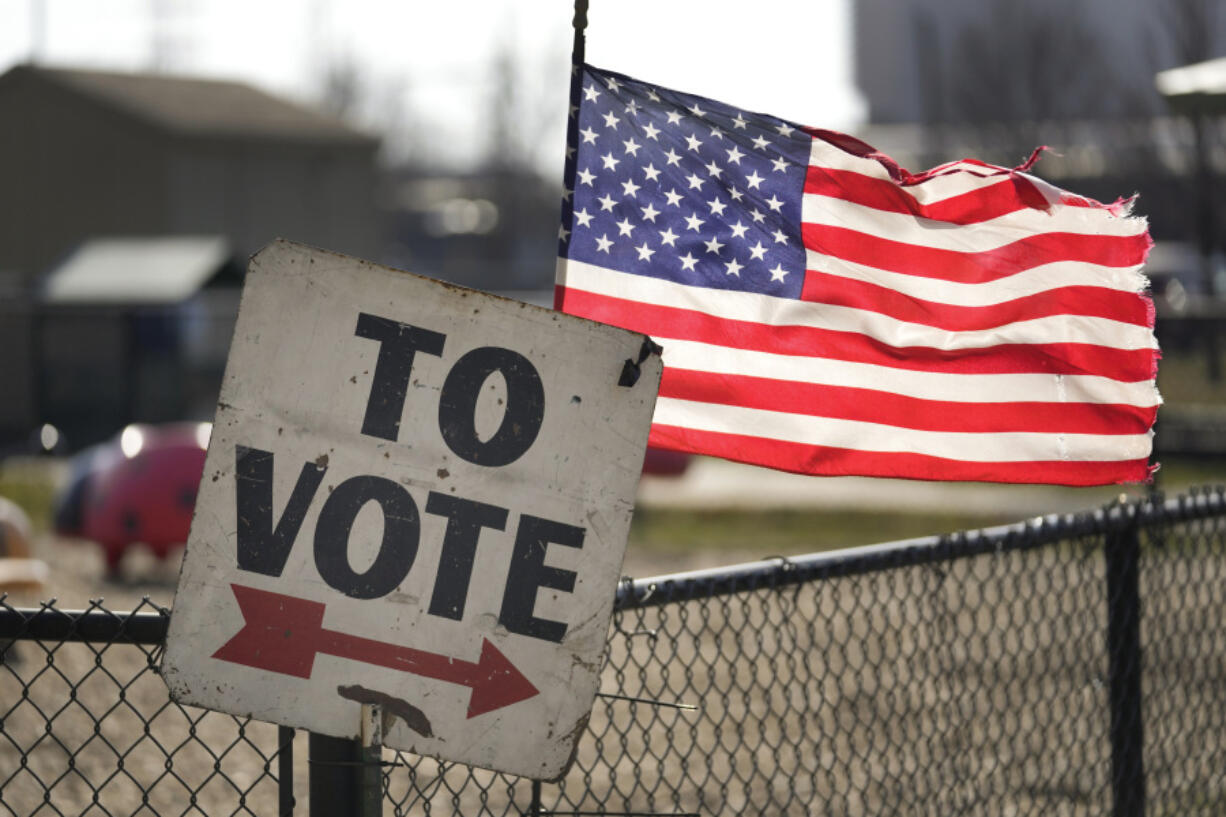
963,178
979,237
772,311
862,436
1043,278
961,388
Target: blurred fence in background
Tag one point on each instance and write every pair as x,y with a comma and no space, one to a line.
1072,665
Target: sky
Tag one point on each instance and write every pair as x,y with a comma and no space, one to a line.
429,68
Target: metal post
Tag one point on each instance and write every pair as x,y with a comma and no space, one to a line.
336,775
285,771
372,761
534,810
1124,656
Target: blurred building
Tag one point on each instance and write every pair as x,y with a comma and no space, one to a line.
88,155
993,79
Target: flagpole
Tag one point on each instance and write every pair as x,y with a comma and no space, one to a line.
572,127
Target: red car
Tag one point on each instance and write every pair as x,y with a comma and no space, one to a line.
139,487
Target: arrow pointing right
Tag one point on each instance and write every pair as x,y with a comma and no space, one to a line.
283,634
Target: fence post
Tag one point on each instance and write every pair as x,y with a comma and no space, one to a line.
335,776
1123,550
285,771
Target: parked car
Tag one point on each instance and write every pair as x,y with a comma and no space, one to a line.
137,488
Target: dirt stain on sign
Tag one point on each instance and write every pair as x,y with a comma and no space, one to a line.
390,707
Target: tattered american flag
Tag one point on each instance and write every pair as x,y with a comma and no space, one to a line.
824,311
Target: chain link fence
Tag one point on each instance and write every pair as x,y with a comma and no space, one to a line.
1072,665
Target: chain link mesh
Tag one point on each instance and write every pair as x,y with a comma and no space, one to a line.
979,673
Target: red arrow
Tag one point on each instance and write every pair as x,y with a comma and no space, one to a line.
283,634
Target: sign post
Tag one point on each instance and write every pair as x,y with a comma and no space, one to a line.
415,503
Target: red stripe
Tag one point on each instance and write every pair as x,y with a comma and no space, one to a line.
1010,194
1126,365
886,408
827,461
1095,302
975,267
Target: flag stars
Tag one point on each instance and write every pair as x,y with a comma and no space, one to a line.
760,142
778,273
774,203
674,198
714,169
629,188
610,120
713,246
651,173
583,217
693,222
757,252
668,237
738,229
603,243
653,96
695,182
739,122
591,94
780,164
674,118
632,108
672,157
606,203
610,161
586,177
733,268
613,84
687,262
717,207
697,111
651,132
753,180
562,233
784,129
693,142
735,156
757,216
632,147
624,227
780,237
589,136
650,212
644,252
736,195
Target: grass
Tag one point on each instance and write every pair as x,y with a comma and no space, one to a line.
786,532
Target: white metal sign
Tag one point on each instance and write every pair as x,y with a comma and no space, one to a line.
415,496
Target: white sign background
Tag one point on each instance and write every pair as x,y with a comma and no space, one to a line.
297,384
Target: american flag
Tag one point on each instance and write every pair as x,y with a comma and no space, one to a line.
824,311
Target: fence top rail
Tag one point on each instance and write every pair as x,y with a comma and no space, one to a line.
1201,503
147,624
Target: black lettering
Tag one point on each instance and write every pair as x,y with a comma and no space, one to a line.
521,421
397,550
529,572
465,519
399,342
261,547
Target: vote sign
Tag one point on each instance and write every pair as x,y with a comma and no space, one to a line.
415,496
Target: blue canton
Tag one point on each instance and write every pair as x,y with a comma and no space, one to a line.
683,188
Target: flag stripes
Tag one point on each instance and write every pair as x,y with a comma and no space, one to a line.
969,323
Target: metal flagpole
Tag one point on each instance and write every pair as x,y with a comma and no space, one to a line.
572,125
